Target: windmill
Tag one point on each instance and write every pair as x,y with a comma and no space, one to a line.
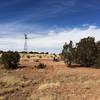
25,43
28,38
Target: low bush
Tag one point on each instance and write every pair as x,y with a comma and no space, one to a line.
36,60
40,56
28,56
56,59
40,66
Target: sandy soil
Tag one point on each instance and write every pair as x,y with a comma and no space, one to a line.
55,82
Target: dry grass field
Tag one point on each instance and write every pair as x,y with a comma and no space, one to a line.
55,82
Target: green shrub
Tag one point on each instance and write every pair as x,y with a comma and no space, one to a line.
10,59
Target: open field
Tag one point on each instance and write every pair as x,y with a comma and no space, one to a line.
55,82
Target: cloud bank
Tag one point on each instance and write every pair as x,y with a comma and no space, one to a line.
52,41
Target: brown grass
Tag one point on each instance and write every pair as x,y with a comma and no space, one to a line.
55,82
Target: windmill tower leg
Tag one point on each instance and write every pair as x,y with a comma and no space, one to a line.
25,43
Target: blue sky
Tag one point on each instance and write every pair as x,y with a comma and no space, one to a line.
42,19
50,12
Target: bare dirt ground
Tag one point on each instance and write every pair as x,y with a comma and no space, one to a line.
55,82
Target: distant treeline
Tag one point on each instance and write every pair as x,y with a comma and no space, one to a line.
31,52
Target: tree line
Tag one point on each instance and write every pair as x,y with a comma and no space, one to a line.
86,52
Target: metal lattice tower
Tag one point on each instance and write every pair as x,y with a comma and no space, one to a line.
25,43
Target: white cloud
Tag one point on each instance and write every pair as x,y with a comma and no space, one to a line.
52,42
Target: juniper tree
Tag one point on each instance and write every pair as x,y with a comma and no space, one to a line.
67,53
10,59
86,51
